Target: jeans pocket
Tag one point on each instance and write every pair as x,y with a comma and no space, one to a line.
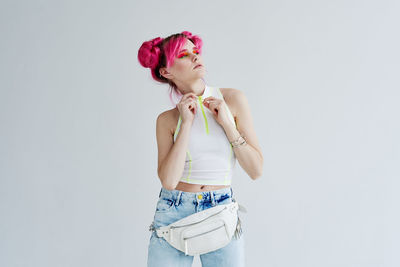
164,205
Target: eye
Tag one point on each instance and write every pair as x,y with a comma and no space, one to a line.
183,55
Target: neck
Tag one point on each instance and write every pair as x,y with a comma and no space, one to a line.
197,87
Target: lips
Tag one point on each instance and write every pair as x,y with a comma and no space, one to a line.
198,65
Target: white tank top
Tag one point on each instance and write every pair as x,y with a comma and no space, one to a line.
210,159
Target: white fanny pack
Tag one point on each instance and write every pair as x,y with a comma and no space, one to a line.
204,231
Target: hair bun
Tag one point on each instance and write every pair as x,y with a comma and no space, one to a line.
188,34
149,53
156,41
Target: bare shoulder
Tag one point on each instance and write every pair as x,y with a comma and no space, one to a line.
233,97
169,119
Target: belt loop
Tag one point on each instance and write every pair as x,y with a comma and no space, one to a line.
178,198
159,195
212,196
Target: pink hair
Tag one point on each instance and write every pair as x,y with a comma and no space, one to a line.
159,52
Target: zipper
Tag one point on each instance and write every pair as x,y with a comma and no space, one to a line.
204,232
200,100
199,221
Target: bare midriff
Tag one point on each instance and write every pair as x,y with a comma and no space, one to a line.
182,186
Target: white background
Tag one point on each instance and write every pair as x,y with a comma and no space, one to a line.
78,152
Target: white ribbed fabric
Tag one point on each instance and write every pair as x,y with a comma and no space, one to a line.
210,159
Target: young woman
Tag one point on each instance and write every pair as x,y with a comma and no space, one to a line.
198,143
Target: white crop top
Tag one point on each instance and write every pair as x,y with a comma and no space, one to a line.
210,159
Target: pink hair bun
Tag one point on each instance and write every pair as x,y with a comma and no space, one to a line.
149,53
188,34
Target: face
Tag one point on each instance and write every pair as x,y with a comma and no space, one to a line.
182,70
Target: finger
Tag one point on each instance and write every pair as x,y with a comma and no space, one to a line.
189,100
188,96
190,103
214,107
192,106
210,98
212,102
191,95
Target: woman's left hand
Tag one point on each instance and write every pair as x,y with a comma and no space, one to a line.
216,106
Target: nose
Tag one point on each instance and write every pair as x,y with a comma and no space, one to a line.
195,57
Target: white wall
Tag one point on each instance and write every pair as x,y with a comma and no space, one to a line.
78,179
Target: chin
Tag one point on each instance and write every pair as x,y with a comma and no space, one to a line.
200,72
199,76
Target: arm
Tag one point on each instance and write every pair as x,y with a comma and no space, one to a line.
171,156
249,156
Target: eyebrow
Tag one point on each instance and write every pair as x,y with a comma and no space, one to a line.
186,49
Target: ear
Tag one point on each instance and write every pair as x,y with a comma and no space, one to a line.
163,71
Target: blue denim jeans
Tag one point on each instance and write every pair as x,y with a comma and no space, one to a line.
174,205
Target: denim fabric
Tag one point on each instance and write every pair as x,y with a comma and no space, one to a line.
174,205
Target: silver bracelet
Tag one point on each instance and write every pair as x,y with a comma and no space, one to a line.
240,141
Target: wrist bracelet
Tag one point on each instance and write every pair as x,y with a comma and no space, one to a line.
241,140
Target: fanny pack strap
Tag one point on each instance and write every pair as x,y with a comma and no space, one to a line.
238,230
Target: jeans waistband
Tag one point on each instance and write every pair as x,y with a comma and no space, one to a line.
177,195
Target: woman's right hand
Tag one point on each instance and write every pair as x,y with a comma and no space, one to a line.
187,107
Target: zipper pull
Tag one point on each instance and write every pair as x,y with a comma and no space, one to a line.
238,231
151,227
